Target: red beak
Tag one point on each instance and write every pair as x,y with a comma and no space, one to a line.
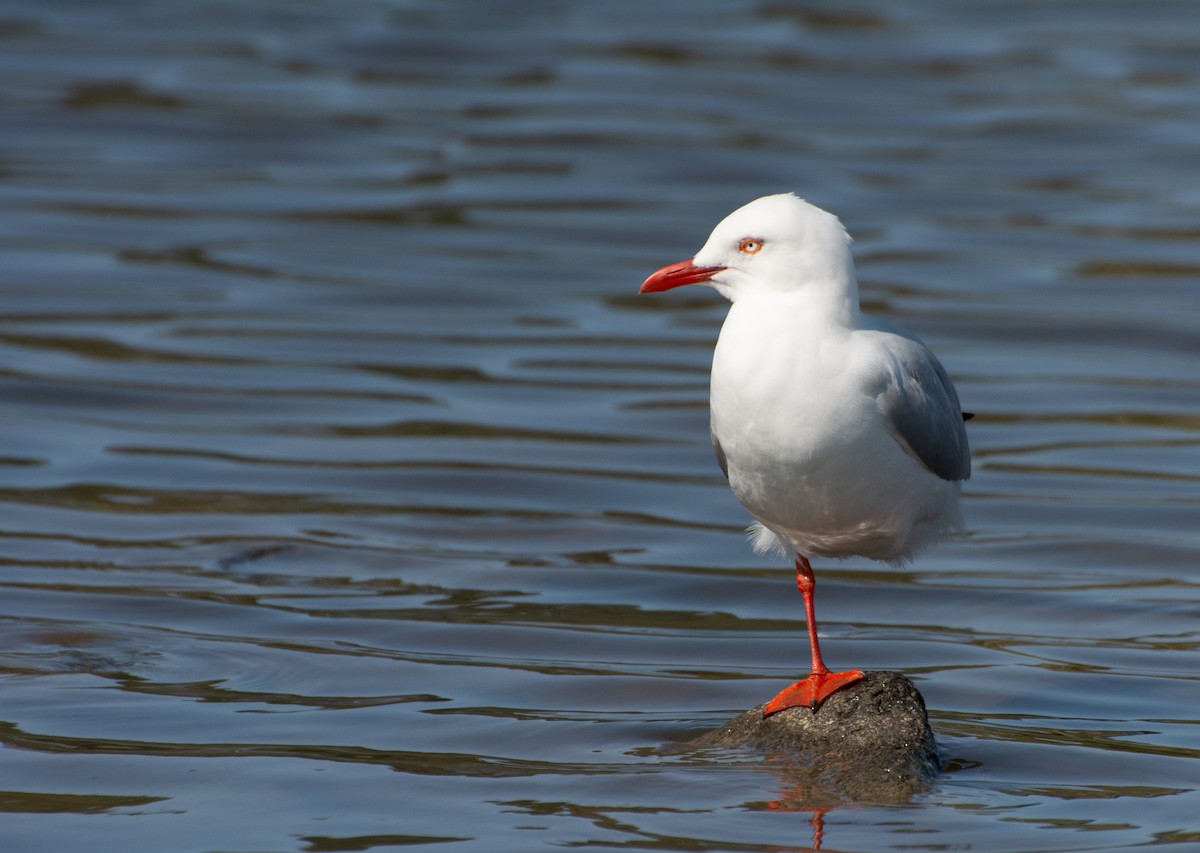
676,275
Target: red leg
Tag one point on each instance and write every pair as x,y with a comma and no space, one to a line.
821,683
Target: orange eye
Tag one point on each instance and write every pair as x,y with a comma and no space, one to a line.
750,246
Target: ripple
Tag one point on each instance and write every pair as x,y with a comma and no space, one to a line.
353,495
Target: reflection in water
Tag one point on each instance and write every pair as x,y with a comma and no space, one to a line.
353,500
800,794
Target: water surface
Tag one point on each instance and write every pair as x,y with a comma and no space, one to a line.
352,500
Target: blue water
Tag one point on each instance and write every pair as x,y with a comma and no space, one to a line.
353,500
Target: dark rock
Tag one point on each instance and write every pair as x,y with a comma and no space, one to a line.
869,742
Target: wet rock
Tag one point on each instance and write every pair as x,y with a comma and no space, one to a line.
870,741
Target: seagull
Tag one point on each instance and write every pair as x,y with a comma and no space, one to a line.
840,433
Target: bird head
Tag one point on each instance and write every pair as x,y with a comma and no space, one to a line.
774,244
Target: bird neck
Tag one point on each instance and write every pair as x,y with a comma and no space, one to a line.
804,318
817,305
830,291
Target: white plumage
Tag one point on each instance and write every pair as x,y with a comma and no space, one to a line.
841,434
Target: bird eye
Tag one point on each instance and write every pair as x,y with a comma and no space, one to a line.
749,245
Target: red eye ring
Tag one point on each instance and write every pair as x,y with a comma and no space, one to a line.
750,245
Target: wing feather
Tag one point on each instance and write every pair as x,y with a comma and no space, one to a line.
719,452
921,409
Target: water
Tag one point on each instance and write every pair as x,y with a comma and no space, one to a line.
352,500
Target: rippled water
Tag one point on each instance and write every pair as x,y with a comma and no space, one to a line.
352,500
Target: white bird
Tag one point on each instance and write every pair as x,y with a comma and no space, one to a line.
839,432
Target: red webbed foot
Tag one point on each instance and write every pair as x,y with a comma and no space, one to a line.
812,691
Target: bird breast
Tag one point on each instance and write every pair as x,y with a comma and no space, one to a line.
793,414
781,389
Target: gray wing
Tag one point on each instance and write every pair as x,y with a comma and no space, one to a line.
921,410
719,452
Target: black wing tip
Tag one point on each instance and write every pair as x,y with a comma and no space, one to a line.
968,415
